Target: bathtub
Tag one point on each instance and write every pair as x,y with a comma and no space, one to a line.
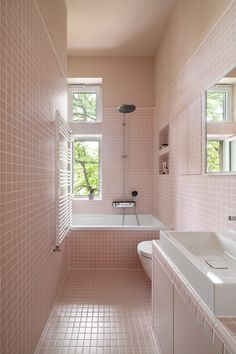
117,222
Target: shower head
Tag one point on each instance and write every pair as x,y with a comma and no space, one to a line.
126,108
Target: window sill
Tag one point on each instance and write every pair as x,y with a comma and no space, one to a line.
86,199
84,122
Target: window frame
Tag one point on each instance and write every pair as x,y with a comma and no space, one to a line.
228,113
97,138
225,156
86,89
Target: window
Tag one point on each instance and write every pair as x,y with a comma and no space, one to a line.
218,104
85,103
221,152
86,167
214,155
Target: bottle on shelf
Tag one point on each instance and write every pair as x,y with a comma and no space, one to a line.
164,168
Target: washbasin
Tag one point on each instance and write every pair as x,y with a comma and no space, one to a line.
208,261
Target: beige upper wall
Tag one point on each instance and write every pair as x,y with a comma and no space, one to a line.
55,18
125,80
191,20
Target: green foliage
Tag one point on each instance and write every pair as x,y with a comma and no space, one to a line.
84,106
216,106
213,156
86,168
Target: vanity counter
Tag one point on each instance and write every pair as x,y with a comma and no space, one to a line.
220,331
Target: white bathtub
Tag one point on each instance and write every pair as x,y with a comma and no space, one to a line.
116,222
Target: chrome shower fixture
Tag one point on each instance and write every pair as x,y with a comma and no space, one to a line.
134,195
126,108
124,204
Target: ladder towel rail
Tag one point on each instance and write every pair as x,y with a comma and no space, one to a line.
63,179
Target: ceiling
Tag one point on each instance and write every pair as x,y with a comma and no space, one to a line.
116,28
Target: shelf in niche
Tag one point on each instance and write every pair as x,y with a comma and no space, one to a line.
163,158
164,151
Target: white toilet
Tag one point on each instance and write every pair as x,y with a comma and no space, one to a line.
145,254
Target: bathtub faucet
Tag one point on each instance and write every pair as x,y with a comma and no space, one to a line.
126,203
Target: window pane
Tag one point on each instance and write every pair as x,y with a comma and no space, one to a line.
86,168
216,106
84,106
214,154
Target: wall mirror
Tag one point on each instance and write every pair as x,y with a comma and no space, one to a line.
220,117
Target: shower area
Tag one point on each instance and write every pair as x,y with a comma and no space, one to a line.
105,232
126,202
126,162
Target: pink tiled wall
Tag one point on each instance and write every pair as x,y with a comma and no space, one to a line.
32,88
106,249
139,170
187,198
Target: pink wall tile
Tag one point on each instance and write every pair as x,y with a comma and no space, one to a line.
105,249
139,166
32,88
187,198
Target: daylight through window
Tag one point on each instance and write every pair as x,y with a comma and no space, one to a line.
214,155
86,168
85,104
218,103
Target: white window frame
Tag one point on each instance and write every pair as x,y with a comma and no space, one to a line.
85,88
227,89
97,138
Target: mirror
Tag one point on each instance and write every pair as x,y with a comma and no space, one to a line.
220,117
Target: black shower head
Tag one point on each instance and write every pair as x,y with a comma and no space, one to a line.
127,108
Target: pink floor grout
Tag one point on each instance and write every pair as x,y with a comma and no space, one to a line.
101,312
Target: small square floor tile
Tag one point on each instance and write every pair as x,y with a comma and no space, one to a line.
101,312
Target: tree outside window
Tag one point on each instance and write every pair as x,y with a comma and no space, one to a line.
216,106
86,172
84,106
85,103
214,155
219,104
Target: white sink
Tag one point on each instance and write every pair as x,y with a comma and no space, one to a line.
208,262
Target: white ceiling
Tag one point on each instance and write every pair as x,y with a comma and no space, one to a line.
123,28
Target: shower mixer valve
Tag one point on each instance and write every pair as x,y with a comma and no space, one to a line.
134,194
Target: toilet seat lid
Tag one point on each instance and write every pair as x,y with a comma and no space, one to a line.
145,249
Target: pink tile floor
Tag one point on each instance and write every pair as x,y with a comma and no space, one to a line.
101,312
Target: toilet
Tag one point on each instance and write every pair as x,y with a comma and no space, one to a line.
145,254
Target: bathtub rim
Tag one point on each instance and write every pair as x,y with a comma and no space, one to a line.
152,227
